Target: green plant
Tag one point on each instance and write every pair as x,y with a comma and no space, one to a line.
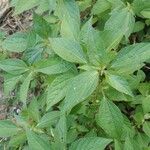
79,75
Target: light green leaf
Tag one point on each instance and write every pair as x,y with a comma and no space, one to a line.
80,88
119,83
68,12
15,43
13,66
24,88
122,20
90,143
131,58
52,66
57,89
7,128
23,5
48,119
36,142
68,50
110,119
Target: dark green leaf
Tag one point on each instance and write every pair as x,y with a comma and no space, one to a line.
13,66
48,119
7,128
52,66
57,89
36,142
68,12
68,50
15,43
41,26
80,88
90,143
23,5
131,58
119,84
24,88
110,118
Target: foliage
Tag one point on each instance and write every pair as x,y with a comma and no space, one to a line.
79,74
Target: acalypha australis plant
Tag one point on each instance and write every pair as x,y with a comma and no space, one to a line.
80,74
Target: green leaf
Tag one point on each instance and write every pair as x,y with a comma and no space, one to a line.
68,50
111,39
118,145
13,66
110,118
138,26
146,104
24,88
129,144
119,83
15,43
10,83
23,5
41,26
17,140
101,6
36,142
92,40
80,88
33,110
7,128
131,58
34,54
90,143
52,66
122,20
46,5
115,95
142,139
139,5
146,128
60,132
48,119
68,12
116,3
57,89
145,13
